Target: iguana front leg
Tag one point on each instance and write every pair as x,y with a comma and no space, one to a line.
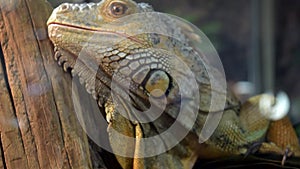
282,134
278,137
282,140
182,156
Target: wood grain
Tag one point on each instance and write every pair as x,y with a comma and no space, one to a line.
38,127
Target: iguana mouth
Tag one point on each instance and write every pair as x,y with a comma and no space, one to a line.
90,29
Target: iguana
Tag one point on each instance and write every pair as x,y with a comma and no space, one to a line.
142,65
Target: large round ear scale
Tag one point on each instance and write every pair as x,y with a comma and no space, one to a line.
158,83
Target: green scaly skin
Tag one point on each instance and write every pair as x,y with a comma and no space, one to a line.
86,27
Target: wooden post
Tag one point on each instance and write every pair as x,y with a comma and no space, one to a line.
38,127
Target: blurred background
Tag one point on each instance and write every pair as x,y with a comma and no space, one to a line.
258,42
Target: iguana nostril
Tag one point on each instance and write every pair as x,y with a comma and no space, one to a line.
64,7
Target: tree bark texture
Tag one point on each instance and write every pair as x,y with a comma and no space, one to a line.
38,126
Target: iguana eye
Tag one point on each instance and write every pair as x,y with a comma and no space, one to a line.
118,9
158,83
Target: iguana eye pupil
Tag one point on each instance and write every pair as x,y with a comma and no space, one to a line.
118,8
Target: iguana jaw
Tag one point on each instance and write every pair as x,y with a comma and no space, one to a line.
54,29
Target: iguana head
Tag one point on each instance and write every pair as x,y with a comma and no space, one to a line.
109,34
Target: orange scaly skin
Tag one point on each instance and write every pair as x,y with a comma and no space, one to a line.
282,134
